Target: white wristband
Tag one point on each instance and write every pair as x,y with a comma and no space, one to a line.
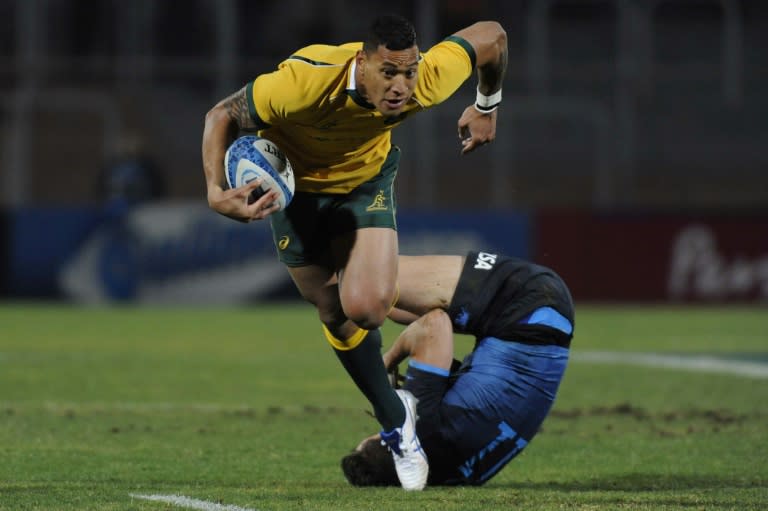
487,104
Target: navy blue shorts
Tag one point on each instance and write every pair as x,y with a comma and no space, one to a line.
488,409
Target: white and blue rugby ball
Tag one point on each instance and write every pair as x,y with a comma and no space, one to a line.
251,157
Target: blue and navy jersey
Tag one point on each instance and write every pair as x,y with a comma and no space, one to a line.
477,417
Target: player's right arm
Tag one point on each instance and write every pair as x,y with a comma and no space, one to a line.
428,340
222,124
477,126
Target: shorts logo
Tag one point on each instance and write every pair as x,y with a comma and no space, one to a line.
485,261
379,202
283,243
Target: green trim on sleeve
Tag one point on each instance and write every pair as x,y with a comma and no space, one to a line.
260,125
310,61
467,47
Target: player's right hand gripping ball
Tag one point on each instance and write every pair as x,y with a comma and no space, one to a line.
251,157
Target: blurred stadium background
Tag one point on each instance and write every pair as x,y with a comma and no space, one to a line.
631,152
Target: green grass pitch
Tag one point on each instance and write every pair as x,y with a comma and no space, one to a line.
248,409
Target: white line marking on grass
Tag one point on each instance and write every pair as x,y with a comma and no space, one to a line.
700,363
190,503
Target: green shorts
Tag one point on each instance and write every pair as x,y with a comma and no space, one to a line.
304,231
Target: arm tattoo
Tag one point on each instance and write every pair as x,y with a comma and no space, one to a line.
237,108
492,75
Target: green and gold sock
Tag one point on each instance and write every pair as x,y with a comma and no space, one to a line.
361,357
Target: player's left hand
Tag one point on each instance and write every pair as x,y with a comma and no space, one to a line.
476,129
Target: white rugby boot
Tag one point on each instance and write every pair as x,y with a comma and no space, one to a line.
410,459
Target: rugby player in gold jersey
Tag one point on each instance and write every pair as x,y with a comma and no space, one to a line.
331,110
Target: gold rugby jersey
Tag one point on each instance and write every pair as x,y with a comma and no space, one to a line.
334,139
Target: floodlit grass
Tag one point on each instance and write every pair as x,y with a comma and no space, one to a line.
249,407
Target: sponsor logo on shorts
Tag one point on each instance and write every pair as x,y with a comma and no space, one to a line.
283,243
485,261
379,203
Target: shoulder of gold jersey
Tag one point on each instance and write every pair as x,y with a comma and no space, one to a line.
352,46
323,55
465,45
442,70
303,82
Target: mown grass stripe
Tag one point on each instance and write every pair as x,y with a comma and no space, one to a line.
190,503
699,363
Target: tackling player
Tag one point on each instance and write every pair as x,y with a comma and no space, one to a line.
475,416
331,110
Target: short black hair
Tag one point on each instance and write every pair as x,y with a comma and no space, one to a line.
371,466
391,31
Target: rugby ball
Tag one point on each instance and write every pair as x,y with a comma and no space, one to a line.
251,157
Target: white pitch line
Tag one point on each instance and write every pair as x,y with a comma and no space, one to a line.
190,503
707,364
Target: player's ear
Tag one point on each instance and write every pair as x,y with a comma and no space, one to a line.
361,59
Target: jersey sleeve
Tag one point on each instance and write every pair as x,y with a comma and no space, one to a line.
275,96
443,69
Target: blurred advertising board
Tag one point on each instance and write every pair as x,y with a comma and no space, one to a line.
38,241
184,253
656,257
